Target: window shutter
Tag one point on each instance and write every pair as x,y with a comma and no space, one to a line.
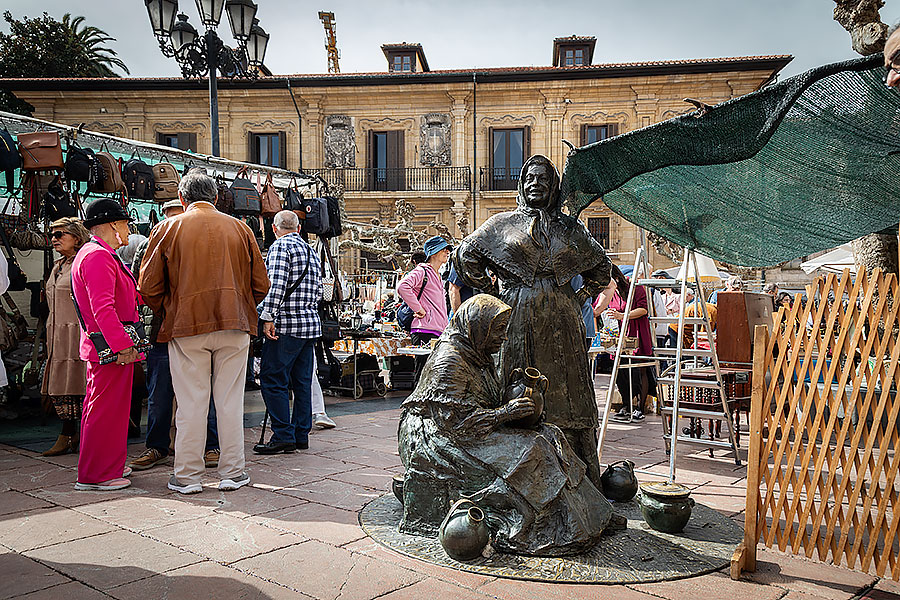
192,141
490,141
526,146
160,140
401,150
282,149
252,154
584,135
612,129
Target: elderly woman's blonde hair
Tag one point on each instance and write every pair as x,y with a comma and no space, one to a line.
74,226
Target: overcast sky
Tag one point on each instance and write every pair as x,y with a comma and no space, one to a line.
486,33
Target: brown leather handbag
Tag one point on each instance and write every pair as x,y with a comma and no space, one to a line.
112,181
269,200
41,151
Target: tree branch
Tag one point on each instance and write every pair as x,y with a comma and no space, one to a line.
862,20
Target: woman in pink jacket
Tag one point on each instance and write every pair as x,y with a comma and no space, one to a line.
105,296
429,307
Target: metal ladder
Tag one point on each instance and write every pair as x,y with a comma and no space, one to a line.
679,381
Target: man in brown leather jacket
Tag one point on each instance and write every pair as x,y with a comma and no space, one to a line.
204,272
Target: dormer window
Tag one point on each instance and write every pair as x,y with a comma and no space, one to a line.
403,62
405,58
573,51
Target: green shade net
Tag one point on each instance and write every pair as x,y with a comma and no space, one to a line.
800,166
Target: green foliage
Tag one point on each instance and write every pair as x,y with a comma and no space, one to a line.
45,47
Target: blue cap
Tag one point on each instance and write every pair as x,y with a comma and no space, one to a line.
435,245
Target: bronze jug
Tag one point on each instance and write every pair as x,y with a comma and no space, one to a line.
464,534
531,385
619,481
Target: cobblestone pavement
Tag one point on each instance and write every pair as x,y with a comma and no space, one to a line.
294,533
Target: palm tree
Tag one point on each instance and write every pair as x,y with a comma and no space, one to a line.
87,43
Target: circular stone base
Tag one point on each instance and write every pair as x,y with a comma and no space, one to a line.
635,555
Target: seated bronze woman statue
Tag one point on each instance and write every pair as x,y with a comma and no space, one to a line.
456,440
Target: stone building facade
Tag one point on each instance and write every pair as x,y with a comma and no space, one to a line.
449,141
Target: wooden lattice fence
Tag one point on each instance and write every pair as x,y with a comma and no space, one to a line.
822,464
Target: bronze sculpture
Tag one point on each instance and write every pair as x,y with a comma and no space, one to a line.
455,443
535,251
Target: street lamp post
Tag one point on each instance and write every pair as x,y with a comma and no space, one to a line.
207,55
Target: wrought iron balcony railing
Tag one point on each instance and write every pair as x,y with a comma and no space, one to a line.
428,179
499,178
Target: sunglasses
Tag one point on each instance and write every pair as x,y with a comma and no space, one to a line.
57,235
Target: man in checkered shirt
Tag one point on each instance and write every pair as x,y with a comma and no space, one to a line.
291,325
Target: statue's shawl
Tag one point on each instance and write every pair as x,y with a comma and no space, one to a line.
505,239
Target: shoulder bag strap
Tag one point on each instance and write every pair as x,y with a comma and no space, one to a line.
338,292
424,283
293,286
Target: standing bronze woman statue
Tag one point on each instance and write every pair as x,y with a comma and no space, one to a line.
535,251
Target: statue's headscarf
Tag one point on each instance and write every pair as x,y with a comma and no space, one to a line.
474,324
540,226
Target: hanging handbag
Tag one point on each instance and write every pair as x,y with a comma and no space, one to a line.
166,180
316,221
225,197
328,279
133,329
17,279
10,159
246,197
58,202
16,318
293,200
41,151
269,201
335,227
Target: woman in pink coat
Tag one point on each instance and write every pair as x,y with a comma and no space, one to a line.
105,296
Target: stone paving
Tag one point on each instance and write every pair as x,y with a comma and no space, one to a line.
294,533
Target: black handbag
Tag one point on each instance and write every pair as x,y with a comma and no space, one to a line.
405,313
134,329
17,278
58,202
331,327
246,197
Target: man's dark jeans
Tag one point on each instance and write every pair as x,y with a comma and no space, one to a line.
159,404
287,365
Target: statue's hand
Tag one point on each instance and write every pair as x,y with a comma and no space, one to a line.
518,408
483,423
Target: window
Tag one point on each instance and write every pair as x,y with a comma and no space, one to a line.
598,227
182,141
595,133
386,171
508,152
268,149
402,62
573,56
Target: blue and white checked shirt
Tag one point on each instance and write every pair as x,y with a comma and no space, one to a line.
298,316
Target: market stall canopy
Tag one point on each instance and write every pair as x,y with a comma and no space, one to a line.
832,262
795,168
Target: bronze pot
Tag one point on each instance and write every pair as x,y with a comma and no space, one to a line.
619,481
532,385
666,506
464,534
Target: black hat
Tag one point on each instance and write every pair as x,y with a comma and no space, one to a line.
104,210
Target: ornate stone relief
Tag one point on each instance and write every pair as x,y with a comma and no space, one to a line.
507,121
340,142
598,117
435,140
104,127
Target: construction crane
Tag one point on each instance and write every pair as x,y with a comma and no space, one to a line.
327,19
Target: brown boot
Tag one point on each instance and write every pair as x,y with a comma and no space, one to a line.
63,445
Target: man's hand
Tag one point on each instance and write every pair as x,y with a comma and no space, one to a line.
520,407
129,355
419,314
269,330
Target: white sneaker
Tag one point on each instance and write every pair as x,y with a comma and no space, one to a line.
228,485
323,421
184,488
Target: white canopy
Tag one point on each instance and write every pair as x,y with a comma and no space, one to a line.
834,261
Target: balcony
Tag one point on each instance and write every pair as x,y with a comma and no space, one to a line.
423,179
499,178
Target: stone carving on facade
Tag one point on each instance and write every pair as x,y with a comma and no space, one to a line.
600,117
104,127
340,142
435,140
507,121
